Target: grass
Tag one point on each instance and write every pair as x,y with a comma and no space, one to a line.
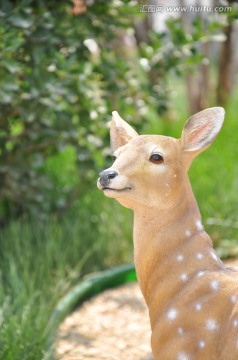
39,262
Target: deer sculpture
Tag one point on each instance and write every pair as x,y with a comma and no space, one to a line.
191,296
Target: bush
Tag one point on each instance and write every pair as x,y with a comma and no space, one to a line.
62,75
52,99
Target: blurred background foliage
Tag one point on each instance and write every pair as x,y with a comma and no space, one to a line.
65,66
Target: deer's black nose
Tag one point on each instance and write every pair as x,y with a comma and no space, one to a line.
106,176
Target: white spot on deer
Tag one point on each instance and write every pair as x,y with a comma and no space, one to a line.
188,233
172,314
233,299
200,273
199,256
211,325
184,277
199,225
180,331
201,344
214,285
183,356
235,323
198,307
180,258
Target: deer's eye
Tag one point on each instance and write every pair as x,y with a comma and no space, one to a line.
156,159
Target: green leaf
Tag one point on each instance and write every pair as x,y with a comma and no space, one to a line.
21,21
11,65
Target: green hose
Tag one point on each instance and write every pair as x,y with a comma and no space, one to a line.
91,285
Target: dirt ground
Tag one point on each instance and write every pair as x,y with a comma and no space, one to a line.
111,326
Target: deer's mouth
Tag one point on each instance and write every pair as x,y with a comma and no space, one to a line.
116,190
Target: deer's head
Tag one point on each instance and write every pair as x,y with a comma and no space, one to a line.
151,170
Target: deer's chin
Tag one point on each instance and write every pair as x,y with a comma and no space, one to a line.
115,193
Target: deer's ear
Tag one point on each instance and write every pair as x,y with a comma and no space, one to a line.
201,129
121,132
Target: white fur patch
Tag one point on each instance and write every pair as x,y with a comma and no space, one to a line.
180,258
184,277
199,256
183,356
200,273
214,285
188,233
172,314
202,344
198,307
211,325
233,299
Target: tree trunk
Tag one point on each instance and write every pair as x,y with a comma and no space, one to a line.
197,85
224,85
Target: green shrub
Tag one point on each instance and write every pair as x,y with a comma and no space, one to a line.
61,76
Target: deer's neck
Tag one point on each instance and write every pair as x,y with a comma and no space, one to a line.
163,239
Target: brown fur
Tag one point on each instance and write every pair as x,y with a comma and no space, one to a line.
191,296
